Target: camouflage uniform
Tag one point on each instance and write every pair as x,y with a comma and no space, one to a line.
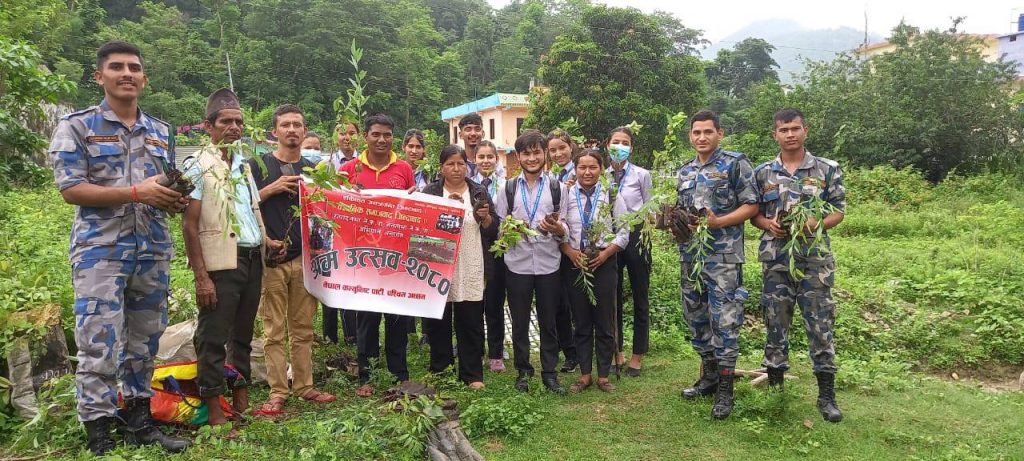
119,255
778,191
715,314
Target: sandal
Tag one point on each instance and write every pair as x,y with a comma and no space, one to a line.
366,390
605,386
273,407
317,396
580,386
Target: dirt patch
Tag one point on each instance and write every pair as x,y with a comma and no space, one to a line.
494,445
991,377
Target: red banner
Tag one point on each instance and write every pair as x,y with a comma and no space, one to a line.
380,250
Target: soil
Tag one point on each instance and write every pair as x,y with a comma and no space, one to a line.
990,377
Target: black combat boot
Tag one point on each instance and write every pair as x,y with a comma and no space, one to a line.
827,397
723,398
97,433
139,429
776,377
707,384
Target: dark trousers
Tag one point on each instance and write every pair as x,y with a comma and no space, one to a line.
637,260
348,323
238,300
521,291
469,332
595,324
494,311
395,342
564,316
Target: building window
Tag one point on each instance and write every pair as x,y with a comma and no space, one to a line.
455,134
519,126
1013,38
491,133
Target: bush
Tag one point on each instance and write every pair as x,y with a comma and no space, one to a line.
511,417
902,188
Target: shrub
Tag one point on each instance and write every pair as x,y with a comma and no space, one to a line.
510,417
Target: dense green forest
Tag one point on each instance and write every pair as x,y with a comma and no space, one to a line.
934,104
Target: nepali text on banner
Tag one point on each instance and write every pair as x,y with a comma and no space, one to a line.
380,250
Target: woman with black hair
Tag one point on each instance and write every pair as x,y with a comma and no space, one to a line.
414,146
634,185
466,297
592,243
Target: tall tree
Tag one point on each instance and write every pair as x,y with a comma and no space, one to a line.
181,66
748,63
616,65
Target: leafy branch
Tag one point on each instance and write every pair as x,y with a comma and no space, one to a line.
510,233
572,127
350,109
430,164
810,208
701,246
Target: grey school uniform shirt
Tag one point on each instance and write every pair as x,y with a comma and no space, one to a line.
535,255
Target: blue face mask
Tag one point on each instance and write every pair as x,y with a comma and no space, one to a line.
312,155
619,152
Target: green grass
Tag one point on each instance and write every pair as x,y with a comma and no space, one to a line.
930,281
911,417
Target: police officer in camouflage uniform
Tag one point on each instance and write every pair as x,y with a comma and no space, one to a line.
107,159
782,184
719,183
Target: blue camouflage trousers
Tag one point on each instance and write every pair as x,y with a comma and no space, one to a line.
715,314
814,295
120,314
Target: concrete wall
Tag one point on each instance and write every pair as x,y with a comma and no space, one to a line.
1011,48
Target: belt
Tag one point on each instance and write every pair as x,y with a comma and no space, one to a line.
249,251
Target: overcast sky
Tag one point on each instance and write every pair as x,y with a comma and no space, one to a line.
720,18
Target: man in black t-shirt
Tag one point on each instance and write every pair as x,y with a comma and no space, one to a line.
287,308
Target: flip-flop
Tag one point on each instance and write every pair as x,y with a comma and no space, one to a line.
606,386
318,396
273,407
366,390
580,386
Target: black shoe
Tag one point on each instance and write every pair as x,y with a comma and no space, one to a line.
523,382
724,397
827,397
776,378
97,433
553,385
632,372
139,429
707,384
569,366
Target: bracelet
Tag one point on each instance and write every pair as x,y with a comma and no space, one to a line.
135,195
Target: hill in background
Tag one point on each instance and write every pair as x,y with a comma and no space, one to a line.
794,43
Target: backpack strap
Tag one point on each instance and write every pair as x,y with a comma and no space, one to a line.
556,194
510,193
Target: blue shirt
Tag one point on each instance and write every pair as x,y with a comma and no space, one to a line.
93,146
249,234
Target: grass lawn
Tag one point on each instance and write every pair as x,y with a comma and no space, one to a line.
647,419
644,419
